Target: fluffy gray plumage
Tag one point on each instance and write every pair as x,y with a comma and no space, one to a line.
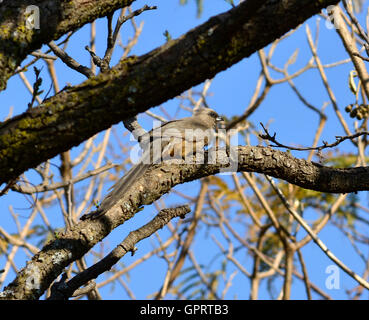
166,141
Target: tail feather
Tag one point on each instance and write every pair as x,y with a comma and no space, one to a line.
122,186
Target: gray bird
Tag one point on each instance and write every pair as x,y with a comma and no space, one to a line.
173,139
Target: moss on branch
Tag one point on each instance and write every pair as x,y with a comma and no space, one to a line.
139,83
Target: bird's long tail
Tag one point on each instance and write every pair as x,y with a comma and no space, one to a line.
125,183
119,189
122,186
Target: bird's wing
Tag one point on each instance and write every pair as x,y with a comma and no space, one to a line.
170,136
166,140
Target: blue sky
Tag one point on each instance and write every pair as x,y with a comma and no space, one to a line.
231,92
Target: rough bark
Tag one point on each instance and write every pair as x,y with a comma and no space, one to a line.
65,290
57,17
45,266
139,83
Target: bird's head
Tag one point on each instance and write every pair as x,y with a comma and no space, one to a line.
208,115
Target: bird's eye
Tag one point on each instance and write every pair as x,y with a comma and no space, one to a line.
213,114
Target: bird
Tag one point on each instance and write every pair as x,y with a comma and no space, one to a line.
173,139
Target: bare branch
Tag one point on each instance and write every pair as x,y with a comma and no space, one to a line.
127,245
69,61
316,239
112,36
325,145
59,185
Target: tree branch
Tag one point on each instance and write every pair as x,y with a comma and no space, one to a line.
315,238
57,17
325,145
66,290
160,179
139,83
112,36
44,187
69,61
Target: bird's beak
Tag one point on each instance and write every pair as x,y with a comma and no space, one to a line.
219,119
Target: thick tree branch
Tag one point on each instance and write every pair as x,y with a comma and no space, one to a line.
66,290
57,17
139,83
71,245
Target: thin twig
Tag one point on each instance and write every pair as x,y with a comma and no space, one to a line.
59,185
357,54
315,238
339,139
104,63
69,61
325,81
362,33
